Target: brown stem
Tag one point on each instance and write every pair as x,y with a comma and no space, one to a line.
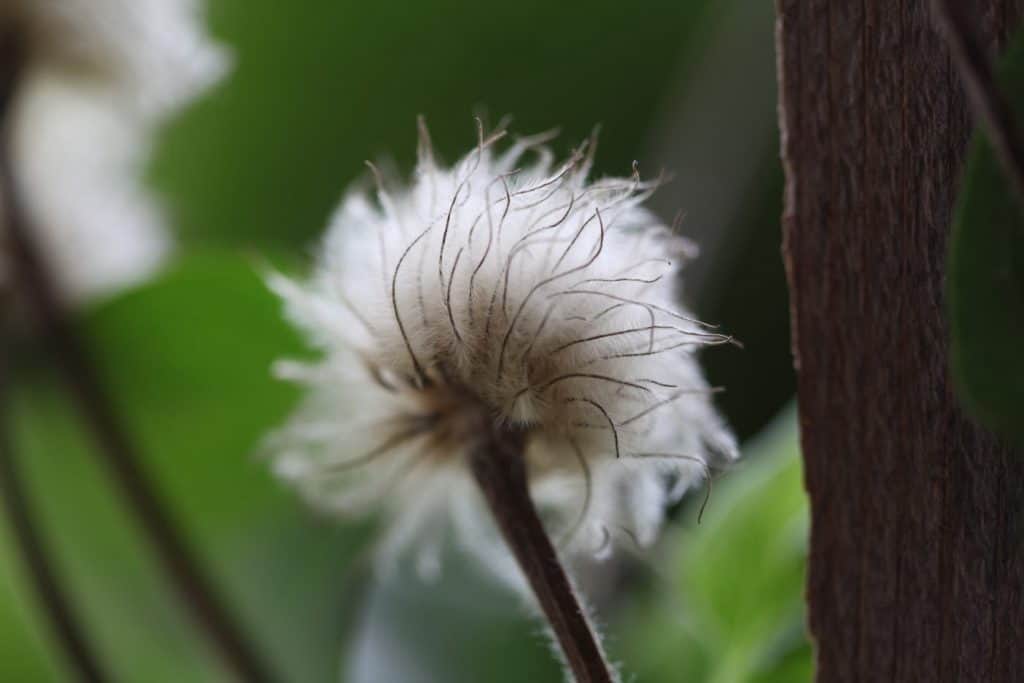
500,470
975,69
76,367
60,611
46,581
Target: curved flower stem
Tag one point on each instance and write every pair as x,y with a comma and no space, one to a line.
114,446
74,365
499,467
45,580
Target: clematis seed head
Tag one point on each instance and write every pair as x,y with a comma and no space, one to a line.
506,292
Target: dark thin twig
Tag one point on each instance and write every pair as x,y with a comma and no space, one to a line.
75,366
499,468
114,446
48,586
971,60
45,579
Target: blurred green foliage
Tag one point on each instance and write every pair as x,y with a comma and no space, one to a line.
986,278
319,88
729,605
187,360
256,167
462,628
748,298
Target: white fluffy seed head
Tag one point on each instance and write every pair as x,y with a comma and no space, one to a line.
98,77
507,288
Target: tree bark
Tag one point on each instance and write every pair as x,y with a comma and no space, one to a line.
916,568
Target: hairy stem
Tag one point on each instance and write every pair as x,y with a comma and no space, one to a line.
500,470
74,364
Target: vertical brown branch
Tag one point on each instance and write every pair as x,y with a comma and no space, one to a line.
500,470
916,568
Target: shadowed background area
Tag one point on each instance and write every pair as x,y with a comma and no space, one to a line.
253,171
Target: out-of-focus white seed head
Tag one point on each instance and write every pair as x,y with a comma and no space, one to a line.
97,79
506,290
151,54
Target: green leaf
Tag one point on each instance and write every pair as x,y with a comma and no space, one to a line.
730,606
187,360
23,655
986,278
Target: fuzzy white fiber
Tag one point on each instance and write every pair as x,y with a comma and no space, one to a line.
99,78
512,288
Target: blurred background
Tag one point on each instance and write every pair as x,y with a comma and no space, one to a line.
253,170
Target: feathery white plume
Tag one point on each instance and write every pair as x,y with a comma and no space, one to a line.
510,291
98,78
